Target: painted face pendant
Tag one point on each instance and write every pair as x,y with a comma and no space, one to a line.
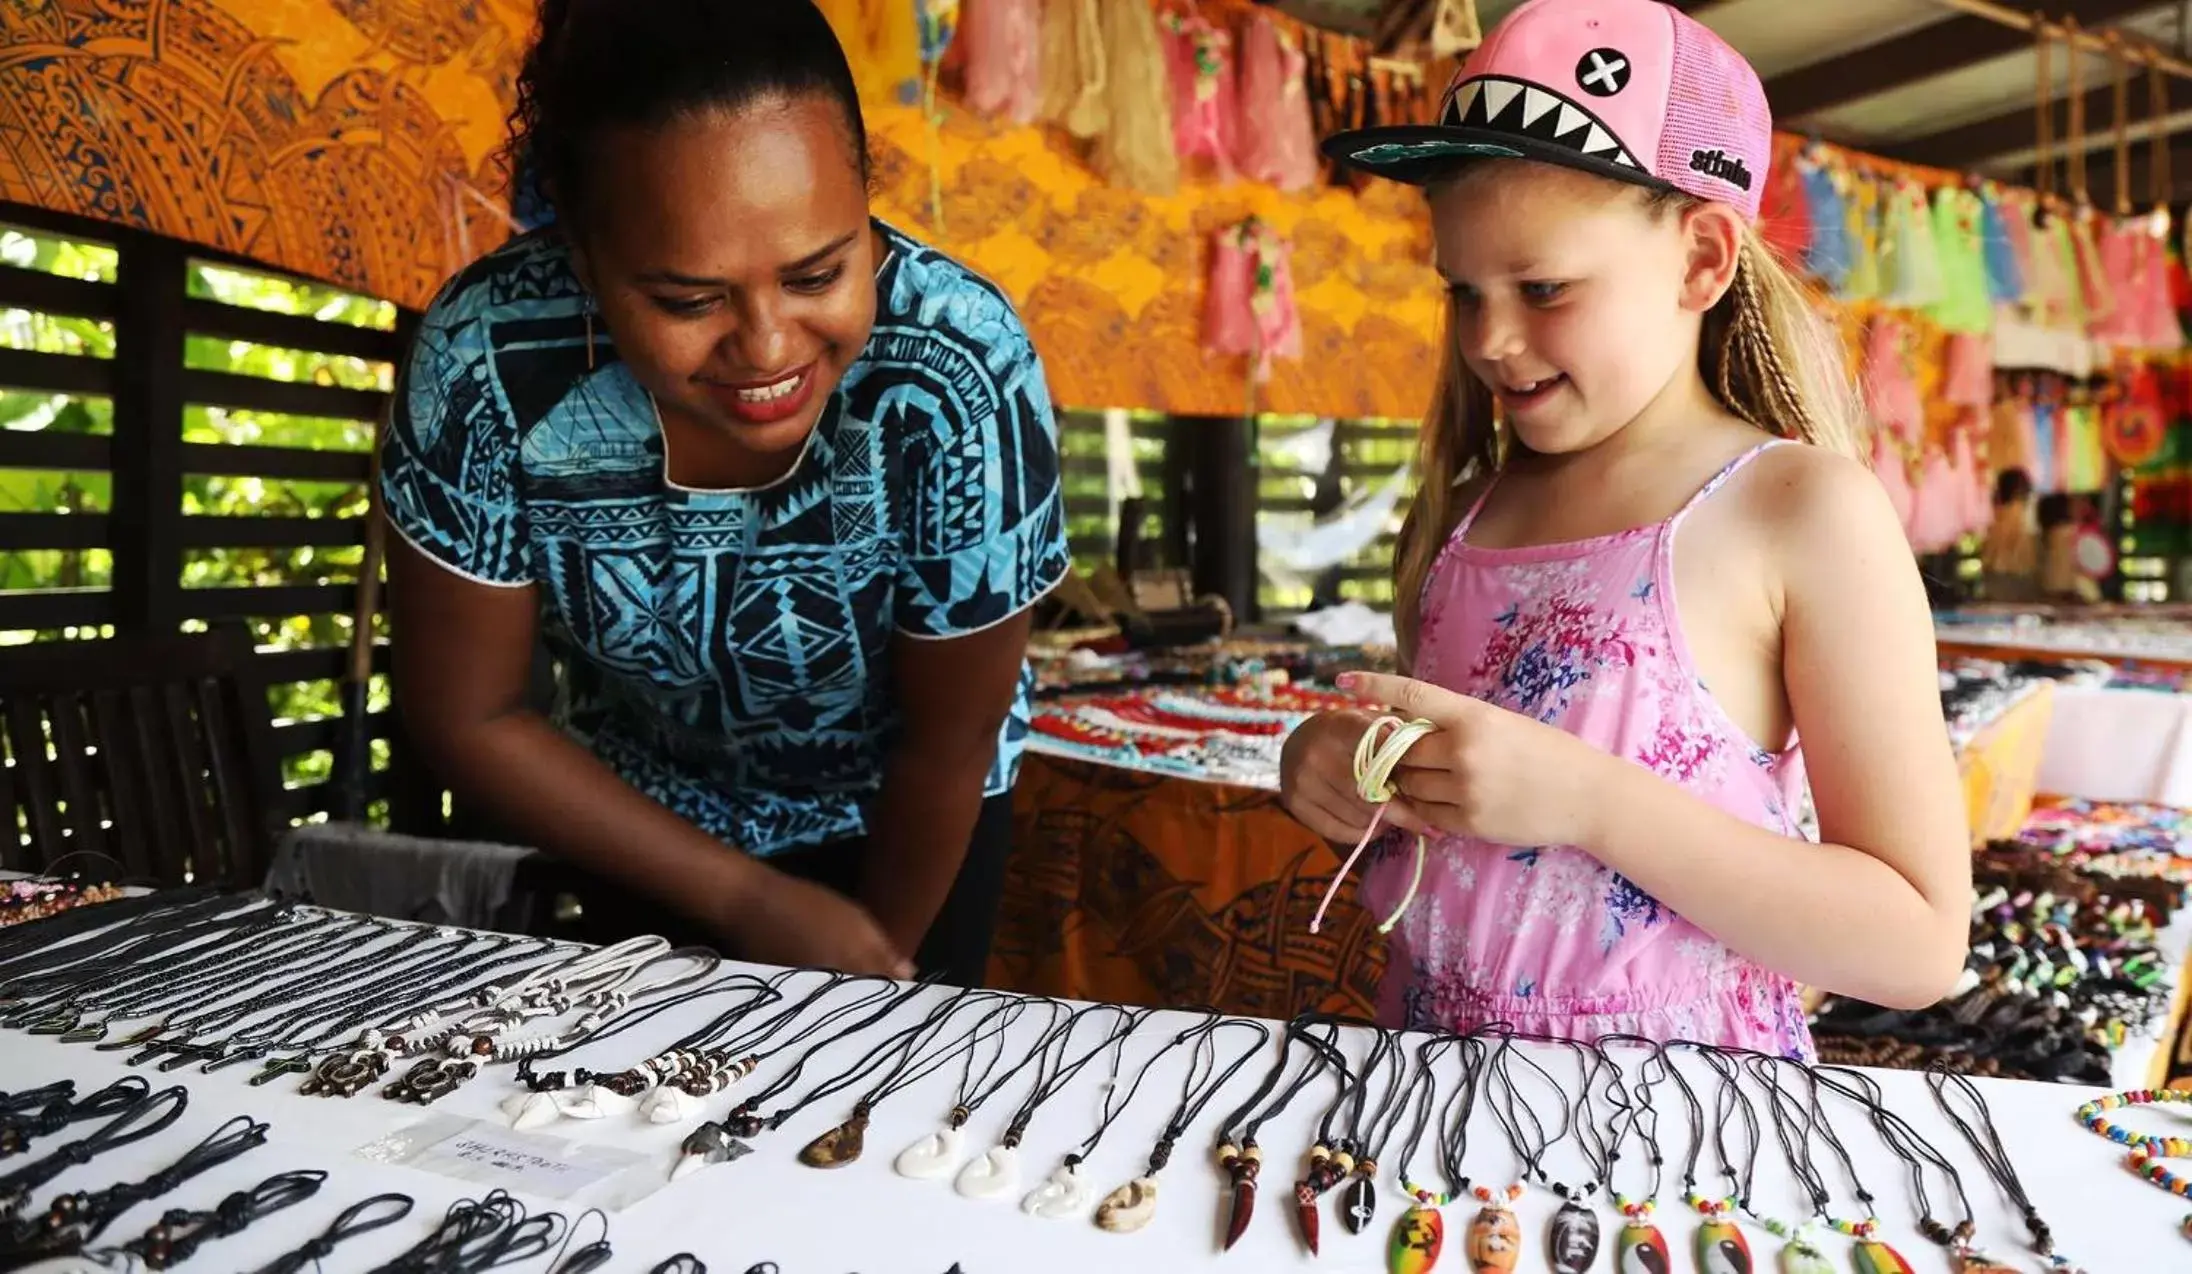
1416,1242
1641,1249
1573,1241
1129,1207
1798,1256
1874,1257
1722,1249
839,1146
1359,1205
1494,1241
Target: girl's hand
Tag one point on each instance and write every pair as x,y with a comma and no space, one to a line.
1317,775
1486,772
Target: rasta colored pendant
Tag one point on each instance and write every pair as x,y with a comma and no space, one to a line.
1874,1257
1241,1167
1573,1241
1418,1237
1722,1249
1640,1248
840,1145
1495,1237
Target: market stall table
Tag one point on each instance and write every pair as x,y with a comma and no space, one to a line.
864,1216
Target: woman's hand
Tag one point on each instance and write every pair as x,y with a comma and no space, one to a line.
780,919
1485,772
1317,775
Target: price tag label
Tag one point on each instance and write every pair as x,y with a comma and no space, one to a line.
527,1162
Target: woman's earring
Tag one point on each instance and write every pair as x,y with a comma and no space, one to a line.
589,336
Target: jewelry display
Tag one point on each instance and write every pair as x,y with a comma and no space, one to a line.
1917,1154
1420,1234
996,1173
2147,1153
362,1217
938,1155
1794,1123
918,1056
1980,1134
74,1220
180,1232
1065,1192
35,898
19,1130
477,1235
1129,1207
147,1116
1495,1233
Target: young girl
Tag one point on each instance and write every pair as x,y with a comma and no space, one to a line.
1643,562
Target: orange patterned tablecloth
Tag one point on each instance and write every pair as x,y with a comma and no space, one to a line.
1136,889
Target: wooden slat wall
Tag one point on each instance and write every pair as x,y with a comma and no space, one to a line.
147,531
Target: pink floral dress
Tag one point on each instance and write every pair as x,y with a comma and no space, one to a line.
1584,636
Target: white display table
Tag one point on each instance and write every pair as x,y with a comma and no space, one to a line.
864,1217
2120,745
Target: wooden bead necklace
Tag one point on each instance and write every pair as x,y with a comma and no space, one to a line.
1986,1141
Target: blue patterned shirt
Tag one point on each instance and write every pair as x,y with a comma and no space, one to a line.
728,652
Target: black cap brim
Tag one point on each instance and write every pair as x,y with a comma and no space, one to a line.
1419,154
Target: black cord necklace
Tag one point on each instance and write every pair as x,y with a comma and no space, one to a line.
1495,1233
1129,1207
19,1130
149,1115
362,1217
1721,1245
1995,1158
477,1235
1239,1155
938,1154
1639,1239
180,1232
1421,1231
717,1141
1329,1161
1369,1137
996,1172
1572,1238
74,1220
918,1058
1065,1193
1917,1154
585,1094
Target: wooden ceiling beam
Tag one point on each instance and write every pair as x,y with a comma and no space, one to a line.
1949,45
1972,144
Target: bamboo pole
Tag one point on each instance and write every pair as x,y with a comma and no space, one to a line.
2142,51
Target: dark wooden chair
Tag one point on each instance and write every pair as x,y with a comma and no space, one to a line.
155,751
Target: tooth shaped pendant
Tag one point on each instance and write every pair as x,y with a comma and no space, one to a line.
593,1102
532,1110
1241,1167
1494,1241
1572,1242
1722,1249
708,1144
839,1146
1417,1239
1359,1204
1641,1249
1305,1213
992,1175
1129,1207
933,1157
1063,1194
1874,1257
668,1105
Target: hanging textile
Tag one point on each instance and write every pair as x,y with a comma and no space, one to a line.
1002,43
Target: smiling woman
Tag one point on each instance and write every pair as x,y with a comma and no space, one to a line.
777,483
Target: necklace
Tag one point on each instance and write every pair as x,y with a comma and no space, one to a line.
1367,1138
1800,1251
1721,1247
1995,1159
2146,1153
180,1232
1129,1207
716,1142
584,1094
1572,1238
1639,1239
362,1217
148,1115
1329,1163
1065,1192
937,1155
996,1173
1239,1156
844,1143
18,1130
1420,1234
1873,1255
1917,1153
73,1220
1494,1234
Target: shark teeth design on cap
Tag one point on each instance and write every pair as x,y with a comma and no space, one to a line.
1500,105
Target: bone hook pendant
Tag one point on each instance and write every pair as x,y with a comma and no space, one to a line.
1064,1193
992,1175
1573,1239
1129,1207
934,1157
840,1145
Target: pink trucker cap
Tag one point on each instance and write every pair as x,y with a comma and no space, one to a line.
1630,89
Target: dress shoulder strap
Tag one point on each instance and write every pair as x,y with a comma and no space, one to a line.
1727,471
1476,506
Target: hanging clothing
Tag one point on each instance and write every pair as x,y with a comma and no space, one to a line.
1584,636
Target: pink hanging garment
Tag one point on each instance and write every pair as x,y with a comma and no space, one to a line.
1277,142
1973,510
1967,379
1888,463
1229,318
2156,322
1936,505
2111,258
1203,91
1004,57
2090,275
1890,393
1271,297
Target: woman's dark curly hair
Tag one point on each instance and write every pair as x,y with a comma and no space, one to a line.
599,64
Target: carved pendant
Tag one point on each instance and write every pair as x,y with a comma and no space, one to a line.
1641,1249
531,1110
705,1145
1129,1207
1064,1193
1722,1249
1305,1213
1494,1241
1572,1243
839,1146
1973,1261
1359,1204
934,1157
1874,1257
1243,1167
1801,1256
1417,1239
992,1175
668,1105
594,1101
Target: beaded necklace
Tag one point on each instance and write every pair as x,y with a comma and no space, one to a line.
1420,1234
1800,1250
1873,1254
1996,1159
1572,1237
1065,1192
1238,1154
1634,1114
996,1173
1329,1162
1917,1153
1495,1234
2146,1153
1364,1143
918,1058
1130,1207
1720,1245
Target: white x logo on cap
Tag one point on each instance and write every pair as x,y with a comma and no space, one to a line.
1603,72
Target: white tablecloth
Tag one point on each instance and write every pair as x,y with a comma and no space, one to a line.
2120,745
864,1217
